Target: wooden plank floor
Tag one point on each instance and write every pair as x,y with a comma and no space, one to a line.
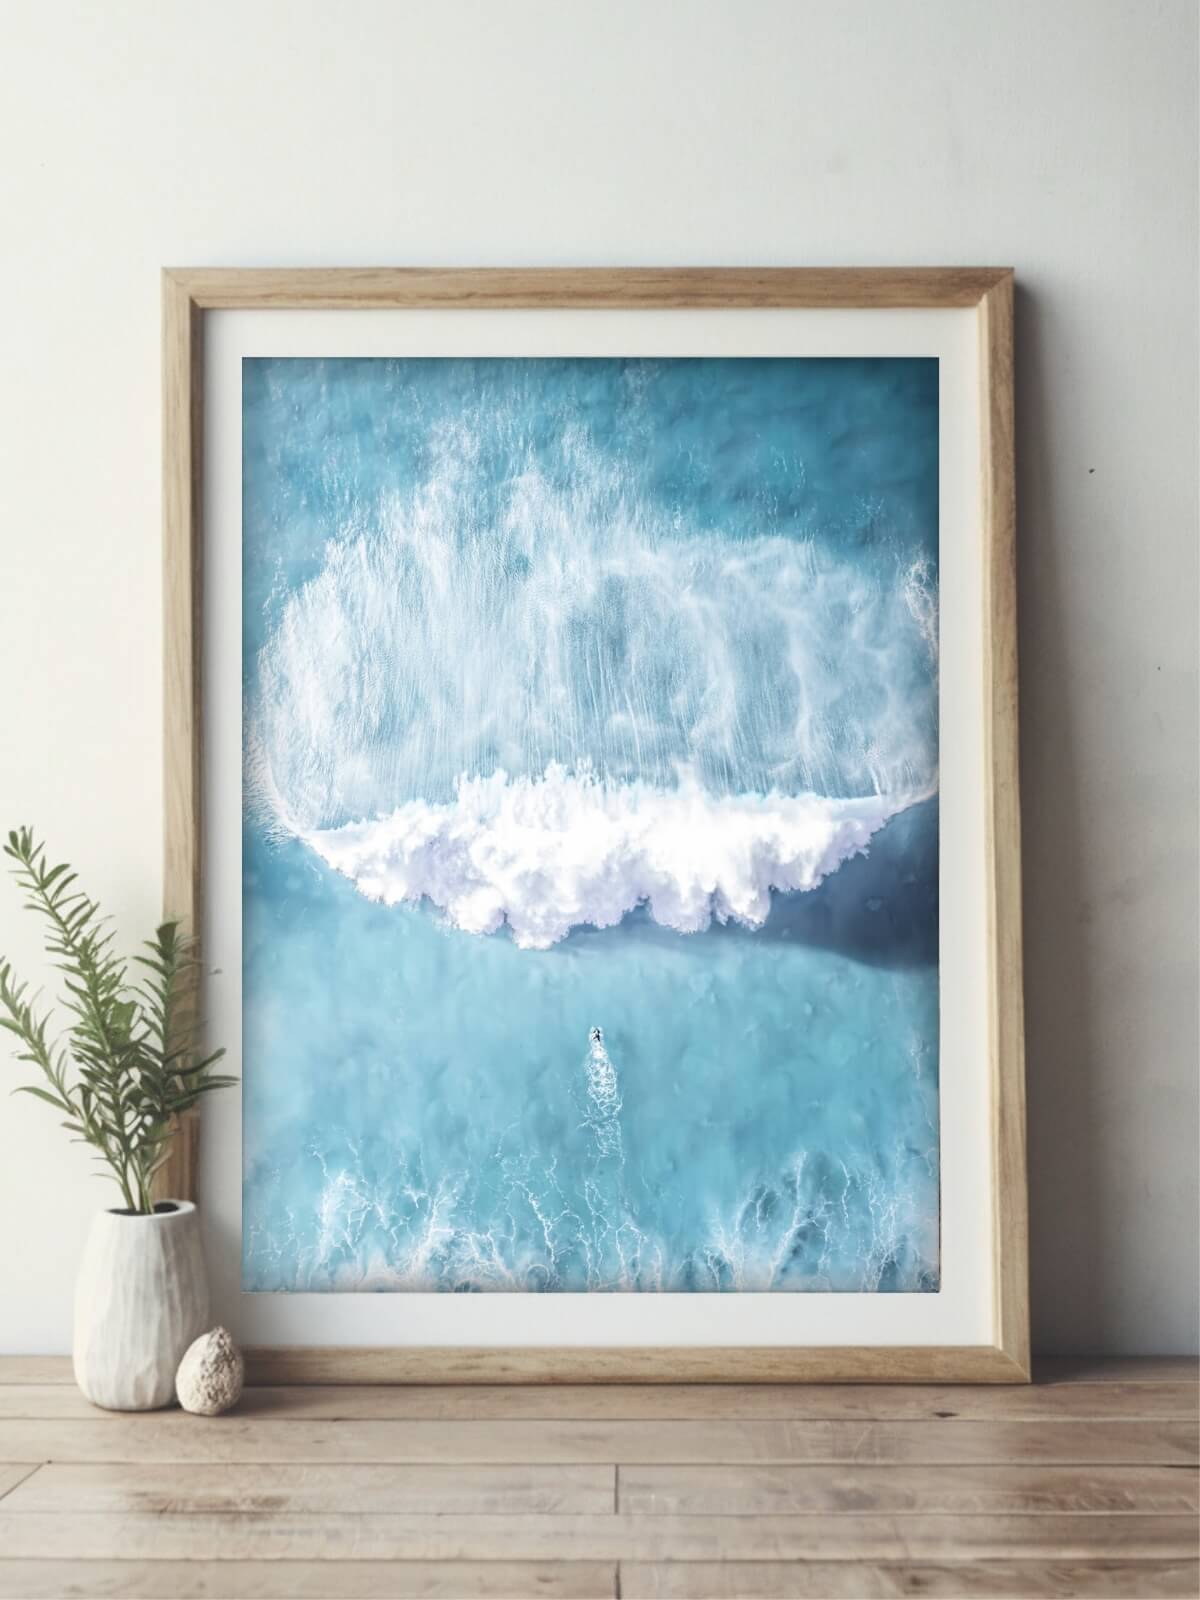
1085,1483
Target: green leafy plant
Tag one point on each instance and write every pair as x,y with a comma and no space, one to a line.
127,1066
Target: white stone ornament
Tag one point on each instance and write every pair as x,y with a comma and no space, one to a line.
211,1374
140,1299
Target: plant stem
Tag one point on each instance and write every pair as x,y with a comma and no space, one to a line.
133,1046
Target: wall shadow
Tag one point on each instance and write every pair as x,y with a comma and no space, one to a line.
1069,1215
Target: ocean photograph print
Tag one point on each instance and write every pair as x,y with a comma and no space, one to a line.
590,853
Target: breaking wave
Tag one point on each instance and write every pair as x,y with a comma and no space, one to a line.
537,700
550,854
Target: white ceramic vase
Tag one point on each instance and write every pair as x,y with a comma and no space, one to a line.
140,1300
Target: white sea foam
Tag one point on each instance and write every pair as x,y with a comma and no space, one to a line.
419,710
471,625
550,854
823,1224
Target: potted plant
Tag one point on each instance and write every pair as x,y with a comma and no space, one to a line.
123,1073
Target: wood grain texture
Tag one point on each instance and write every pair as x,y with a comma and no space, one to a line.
178,1177
615,1537
425,1364
285,1503
1003,825
674,1580
1048,1372
581,288
314,1489
175,1437
18,1371
187,294
356,1489
13,1473
1129,1402
769,1491
299,1580
183,634
182,444
959,1580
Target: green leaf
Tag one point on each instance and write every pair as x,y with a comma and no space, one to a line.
42,1094
132,1048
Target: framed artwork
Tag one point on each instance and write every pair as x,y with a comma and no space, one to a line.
591,750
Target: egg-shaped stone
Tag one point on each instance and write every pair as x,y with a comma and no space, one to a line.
211,1374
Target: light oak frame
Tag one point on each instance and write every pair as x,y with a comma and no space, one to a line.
187,295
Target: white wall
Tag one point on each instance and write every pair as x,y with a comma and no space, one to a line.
1058,136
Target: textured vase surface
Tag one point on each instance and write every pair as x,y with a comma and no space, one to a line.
140,1300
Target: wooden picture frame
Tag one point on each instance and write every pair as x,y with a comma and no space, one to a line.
188,295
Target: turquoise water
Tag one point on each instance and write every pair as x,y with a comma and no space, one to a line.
590,854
